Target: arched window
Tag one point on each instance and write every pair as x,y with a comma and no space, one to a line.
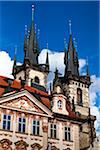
79,96
59,103
36,79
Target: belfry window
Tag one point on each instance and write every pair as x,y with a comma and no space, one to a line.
79,96
6,122
36,80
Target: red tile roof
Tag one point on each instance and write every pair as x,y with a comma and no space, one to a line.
16,85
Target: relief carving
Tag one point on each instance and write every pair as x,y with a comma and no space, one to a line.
5,144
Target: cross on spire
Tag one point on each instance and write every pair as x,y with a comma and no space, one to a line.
70,27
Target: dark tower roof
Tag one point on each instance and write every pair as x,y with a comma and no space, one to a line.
31,47
72,64
14,64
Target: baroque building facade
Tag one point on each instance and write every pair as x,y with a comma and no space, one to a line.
33,119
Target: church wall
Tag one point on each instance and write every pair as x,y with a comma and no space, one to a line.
42,76
72,92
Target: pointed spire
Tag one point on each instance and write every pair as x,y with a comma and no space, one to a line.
38,34
65,52
70,27
32,13
87,68
14,64
56,73
47,60
25,40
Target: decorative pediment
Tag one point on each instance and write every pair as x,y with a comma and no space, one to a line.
24,101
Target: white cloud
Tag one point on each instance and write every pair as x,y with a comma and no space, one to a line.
96,112
6,64
56,59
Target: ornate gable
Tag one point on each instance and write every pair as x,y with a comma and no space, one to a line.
23,103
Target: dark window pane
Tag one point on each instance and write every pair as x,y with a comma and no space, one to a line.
51,133
34,130
34,122
37,130
8,126
54,133
24,119
19,129
20,120
65,128
65,135
68,129
23,128
38,122
55,126
9,117
4,116
4,124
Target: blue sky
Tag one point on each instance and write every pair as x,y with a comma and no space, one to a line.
52,20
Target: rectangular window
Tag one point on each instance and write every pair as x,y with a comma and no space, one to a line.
67,134
6,122
22,124
36,127
53,131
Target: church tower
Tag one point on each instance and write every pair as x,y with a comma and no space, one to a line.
31,72
72,84
75,88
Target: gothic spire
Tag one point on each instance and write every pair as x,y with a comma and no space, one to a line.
31,47
87,68
14,64
47,60
72,57
56,74
87,71
65,53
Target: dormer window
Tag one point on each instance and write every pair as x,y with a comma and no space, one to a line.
59,103
36,80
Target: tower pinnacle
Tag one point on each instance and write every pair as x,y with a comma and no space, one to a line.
14,64
32,13
70,27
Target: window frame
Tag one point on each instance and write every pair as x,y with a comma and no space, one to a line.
67,133
7,120
22,125
59,104
36,127
53,131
